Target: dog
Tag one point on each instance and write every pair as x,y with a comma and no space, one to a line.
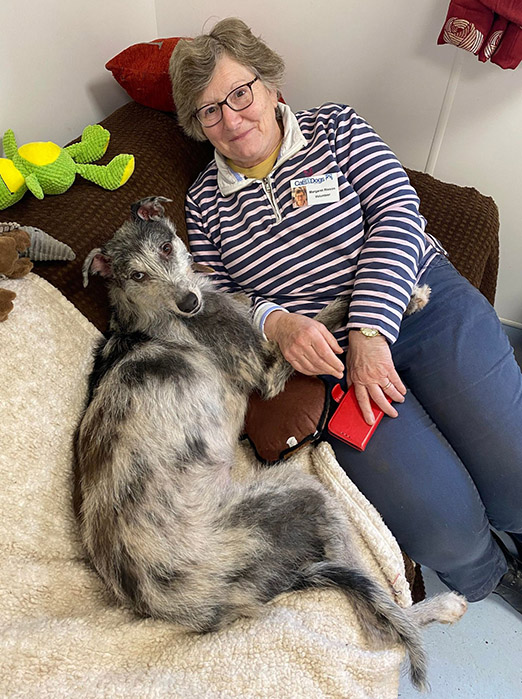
162,521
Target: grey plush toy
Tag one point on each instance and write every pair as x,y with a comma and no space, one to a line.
43,246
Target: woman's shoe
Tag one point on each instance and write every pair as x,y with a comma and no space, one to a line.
510,585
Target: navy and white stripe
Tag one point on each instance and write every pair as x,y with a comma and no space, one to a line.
370,244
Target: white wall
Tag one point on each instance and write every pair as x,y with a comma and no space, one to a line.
381,57
52,56
377,56
482,148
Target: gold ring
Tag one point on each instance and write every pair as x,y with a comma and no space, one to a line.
387,385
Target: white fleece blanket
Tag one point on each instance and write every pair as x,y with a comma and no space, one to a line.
60,637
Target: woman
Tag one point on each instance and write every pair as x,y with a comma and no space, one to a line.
450,467
299,196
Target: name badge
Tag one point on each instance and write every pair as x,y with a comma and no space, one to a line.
317,189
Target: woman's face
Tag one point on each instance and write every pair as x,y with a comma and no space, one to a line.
300,198
247,137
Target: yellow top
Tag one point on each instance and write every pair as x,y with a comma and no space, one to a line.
258,171
39,152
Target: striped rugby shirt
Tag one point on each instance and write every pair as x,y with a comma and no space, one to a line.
370,245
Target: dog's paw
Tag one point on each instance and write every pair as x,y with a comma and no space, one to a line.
452,607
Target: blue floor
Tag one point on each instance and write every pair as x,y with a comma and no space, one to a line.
480,657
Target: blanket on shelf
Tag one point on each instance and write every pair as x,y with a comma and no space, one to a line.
59,634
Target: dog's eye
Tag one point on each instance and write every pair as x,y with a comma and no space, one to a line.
138,276
166,248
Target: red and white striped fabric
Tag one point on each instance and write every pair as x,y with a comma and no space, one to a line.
494,38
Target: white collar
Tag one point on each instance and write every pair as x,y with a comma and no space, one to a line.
230,181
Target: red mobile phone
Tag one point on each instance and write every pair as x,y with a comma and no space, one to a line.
347,423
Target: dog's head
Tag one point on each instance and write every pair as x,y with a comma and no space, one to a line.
147,265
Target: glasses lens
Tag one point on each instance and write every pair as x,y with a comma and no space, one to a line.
209,115
240,98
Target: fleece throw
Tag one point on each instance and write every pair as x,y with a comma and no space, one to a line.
59,634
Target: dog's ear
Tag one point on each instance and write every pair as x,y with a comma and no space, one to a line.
149,209
96,262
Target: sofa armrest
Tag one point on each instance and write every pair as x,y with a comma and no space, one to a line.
466,222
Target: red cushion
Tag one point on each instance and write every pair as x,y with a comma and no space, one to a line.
143,72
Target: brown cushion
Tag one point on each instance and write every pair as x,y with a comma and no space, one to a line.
300,412
86,215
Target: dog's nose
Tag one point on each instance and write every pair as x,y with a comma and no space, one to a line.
189,303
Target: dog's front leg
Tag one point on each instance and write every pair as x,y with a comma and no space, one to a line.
275,373
277,370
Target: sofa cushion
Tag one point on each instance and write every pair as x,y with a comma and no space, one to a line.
143,72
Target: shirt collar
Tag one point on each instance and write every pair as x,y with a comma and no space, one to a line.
230,181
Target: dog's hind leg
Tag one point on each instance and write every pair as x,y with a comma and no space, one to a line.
334,315
446,608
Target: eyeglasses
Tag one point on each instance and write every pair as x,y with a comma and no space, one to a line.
238,99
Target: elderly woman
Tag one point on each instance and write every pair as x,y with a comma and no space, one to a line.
449,467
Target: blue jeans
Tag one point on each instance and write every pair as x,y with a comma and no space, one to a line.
450,466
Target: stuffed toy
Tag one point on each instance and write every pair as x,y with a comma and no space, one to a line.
45,168
18,246
43,247
11,265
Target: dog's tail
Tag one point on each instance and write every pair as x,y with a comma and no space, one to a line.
381,617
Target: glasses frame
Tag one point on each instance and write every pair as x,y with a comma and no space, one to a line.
225,101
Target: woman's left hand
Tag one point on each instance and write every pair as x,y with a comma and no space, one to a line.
370,369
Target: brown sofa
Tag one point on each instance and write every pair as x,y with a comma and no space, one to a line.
465,221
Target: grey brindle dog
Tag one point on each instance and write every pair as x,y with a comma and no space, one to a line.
164,524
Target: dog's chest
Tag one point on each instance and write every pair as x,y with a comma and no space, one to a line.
228,337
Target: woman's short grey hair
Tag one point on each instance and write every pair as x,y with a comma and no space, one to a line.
193,62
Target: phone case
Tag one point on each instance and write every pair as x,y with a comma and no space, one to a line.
347,423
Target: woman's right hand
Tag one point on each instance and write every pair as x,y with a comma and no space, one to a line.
305,343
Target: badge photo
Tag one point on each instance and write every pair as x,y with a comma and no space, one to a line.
316,189
299,197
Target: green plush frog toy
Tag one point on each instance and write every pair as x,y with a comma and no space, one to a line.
45,168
